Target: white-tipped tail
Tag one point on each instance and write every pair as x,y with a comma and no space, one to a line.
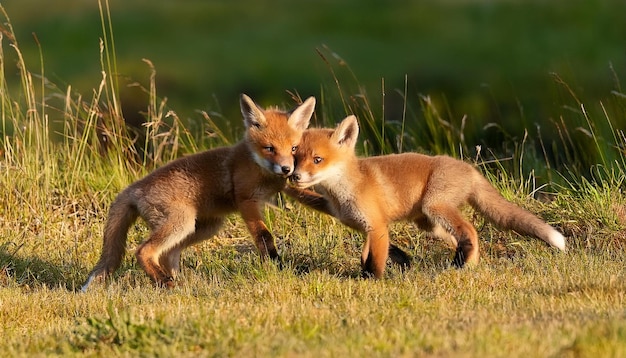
557,240
87,283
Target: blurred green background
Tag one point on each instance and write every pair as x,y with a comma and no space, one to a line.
489,60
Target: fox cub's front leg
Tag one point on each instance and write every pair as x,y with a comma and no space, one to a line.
320,203
263,239
309,198
375,253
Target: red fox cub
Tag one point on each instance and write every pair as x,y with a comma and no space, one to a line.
368,194
185,201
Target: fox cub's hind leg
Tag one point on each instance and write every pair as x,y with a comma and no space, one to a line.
163,238
205,229
437,231
458,229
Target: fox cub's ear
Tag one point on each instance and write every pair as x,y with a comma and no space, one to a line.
300,117
252,114
347,132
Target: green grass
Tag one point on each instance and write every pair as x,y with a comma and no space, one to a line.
58,178
488,60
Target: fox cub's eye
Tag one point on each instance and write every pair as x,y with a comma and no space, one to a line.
269,149
294,148
317,160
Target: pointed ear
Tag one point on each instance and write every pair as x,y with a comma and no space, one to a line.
347,132
300,117
252,114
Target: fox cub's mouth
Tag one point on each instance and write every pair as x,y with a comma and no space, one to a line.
296,181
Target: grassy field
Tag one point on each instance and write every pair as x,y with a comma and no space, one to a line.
58,178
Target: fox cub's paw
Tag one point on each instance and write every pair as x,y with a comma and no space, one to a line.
399,257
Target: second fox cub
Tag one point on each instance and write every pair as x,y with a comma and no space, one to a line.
185,201
368,194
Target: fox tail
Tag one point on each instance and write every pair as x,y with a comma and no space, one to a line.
488,201
122,215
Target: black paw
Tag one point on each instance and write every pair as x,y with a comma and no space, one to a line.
367,274
459,258
399,257
367,271
277,259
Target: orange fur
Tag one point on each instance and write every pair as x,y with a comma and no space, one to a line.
184,202
368,194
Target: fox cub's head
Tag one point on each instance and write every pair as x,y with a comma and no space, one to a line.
323,153
274,135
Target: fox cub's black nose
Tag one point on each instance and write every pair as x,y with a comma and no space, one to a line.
295,177
285,169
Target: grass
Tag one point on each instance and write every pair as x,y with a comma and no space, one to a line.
524,299
488,60
230,304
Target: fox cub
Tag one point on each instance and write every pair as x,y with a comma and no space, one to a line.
367,194
185,201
